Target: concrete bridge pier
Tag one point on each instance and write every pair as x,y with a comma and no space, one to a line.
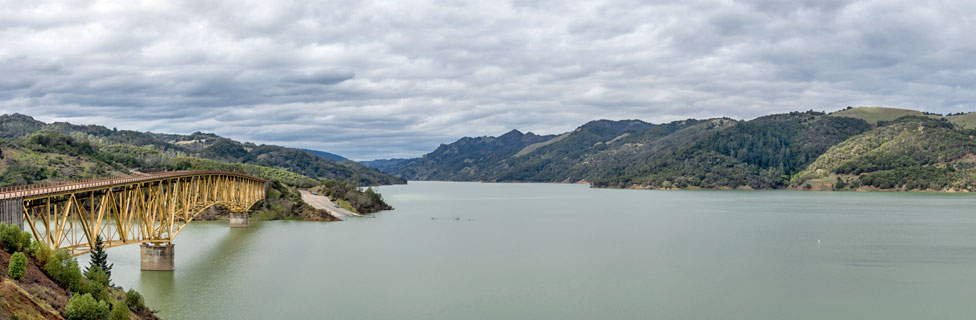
156,257
238,220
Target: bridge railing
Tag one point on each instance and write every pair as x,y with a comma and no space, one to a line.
64,186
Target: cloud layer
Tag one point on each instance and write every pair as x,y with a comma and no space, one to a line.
370,79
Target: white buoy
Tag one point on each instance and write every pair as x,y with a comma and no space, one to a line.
818,241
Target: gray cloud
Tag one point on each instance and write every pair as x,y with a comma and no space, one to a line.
371,79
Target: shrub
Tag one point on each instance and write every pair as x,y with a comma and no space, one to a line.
42,252
53,268
10,238
134,300
85,307
96,274
70,276
25,240
119,312
96,289
63,255
18,263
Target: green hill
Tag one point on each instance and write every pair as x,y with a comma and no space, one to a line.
910,153
853,149
713,153
40,151
875,114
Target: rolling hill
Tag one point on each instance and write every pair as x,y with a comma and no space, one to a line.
33,151
853,149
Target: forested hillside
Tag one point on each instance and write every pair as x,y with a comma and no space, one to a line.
32,151
910,153
856,148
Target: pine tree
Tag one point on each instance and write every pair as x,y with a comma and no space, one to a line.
99,258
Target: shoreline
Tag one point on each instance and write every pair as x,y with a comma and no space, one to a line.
743,188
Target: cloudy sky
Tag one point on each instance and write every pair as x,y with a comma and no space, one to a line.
370,79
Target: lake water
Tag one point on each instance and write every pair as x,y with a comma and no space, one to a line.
556,251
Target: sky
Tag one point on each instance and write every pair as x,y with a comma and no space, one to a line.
380,79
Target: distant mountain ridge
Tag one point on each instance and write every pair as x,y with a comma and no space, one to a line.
37,151
789,150
327,155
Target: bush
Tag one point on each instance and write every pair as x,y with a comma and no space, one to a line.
119,312
70,276
63,255
53,268
96,289
84,307
10,238
96,274
25,241
18,263
42,252
134,300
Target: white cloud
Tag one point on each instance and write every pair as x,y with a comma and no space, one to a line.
381,79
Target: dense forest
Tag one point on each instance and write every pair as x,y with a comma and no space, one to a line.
852,149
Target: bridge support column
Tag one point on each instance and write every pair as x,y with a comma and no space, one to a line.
238,220
12,212
156,257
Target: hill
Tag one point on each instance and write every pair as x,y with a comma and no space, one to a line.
386,165
40,151
897,150
468,158
874,115
327,155
51,285
909,153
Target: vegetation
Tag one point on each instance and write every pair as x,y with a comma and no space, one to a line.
86,307
134,300
359,201
61,284
14,240
33,151
99,260
119,312
855,148
276,174
909,153
18,262
715,153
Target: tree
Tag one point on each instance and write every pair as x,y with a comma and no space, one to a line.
119,312
85,307
99,258
18,264
10,238
134,300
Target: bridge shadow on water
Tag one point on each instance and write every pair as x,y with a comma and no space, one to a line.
197,261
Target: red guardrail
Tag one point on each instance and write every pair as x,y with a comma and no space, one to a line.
62,186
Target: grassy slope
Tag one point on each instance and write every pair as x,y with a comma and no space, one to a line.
37,296
913,153
875,114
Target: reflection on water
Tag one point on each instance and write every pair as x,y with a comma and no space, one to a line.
546,251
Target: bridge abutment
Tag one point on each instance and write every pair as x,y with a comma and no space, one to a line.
238,220
156,257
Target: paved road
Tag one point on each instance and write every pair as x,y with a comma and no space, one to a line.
322,202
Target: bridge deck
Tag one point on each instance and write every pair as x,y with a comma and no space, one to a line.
101,183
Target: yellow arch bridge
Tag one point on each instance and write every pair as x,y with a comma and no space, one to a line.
149,209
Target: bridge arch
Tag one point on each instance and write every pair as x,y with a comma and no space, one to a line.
148,209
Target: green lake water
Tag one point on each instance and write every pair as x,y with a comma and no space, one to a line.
556,251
